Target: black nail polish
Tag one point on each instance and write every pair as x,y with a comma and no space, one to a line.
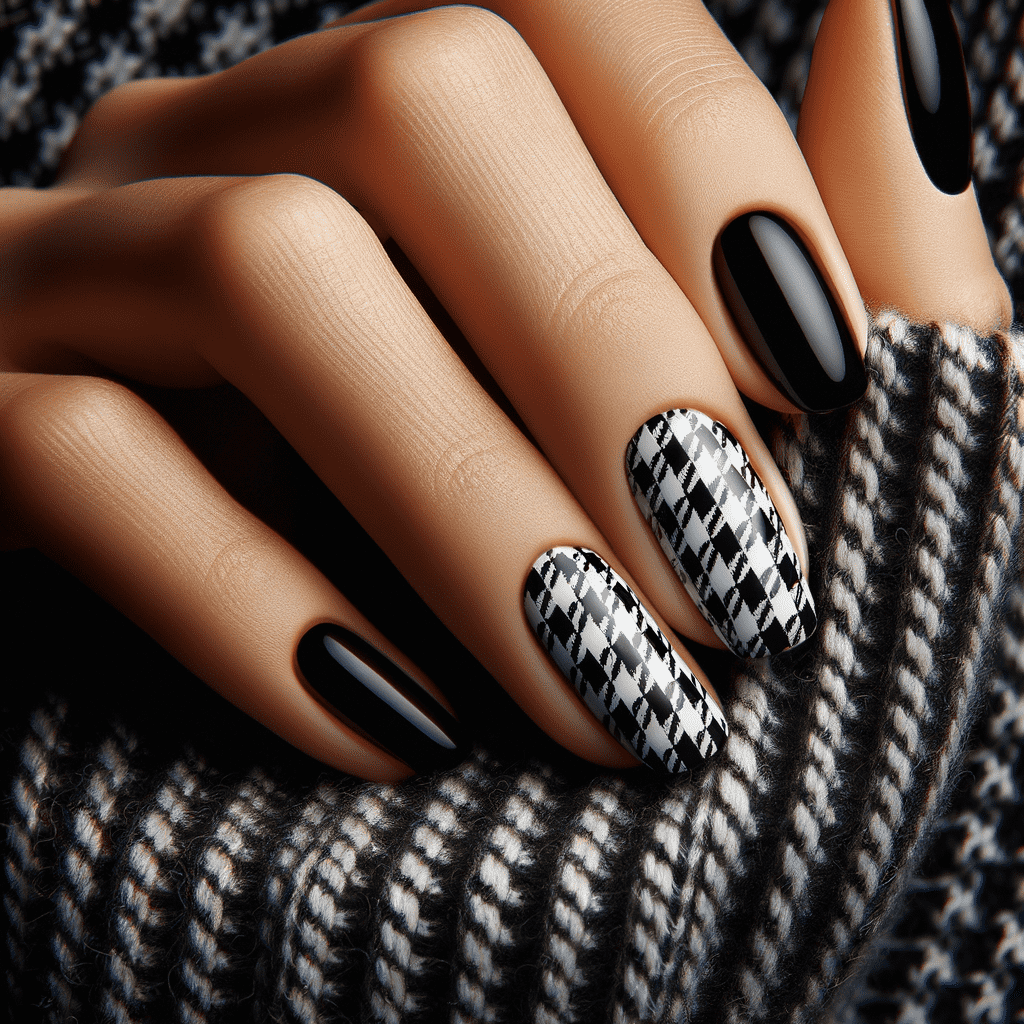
788,315
935,93
367,691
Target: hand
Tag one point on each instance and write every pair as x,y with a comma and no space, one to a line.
562,179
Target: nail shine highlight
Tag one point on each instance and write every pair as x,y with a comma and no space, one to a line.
369,692
935,94
787,313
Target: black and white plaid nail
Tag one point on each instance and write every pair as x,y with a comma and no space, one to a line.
609,648
721,532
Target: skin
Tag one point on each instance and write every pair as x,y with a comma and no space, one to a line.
559,198
930,257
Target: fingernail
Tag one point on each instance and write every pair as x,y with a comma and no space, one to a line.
622,665
721,532
787,313
369,692
935,93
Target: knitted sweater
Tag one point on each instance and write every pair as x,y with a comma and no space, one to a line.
855,853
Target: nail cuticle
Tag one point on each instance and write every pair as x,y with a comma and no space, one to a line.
611,651
720,531
789,316
367,691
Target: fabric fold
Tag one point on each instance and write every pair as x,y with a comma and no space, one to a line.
527,889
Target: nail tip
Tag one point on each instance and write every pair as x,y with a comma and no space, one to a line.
443,761
366,691
808,627
786,637
716,746
438,757
836,402
798,641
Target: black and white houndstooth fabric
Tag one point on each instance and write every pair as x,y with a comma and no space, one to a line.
720,530
622,665
851,856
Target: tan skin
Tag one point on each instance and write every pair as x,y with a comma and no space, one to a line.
556,172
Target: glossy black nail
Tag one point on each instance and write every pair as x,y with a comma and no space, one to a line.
935,93
367,691
787,313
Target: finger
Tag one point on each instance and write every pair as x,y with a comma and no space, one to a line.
100,482
704,164
885,127
292,298
582,328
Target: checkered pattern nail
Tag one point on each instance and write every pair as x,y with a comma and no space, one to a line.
721,532
621,664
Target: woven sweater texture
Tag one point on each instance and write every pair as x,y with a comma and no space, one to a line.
855,854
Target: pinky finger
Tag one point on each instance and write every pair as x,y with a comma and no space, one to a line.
103,485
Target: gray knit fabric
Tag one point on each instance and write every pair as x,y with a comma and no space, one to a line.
856,852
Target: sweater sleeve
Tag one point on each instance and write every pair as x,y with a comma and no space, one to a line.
152,871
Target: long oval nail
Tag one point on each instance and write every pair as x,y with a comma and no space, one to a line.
935,93
721,532
367,691
787,313
609,648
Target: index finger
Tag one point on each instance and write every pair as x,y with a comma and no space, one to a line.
706,167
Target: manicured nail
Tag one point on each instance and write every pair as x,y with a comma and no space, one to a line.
935,92
367,691
787,313
721,532
622,665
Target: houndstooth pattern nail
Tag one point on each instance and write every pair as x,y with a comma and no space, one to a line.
721,532
621,664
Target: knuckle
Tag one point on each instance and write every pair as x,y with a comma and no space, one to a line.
62,420
705,94
245,213
108,107
241,561
473,464
284,213
111,119
438,57
253,238
599,297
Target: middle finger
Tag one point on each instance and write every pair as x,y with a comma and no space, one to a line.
581,326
